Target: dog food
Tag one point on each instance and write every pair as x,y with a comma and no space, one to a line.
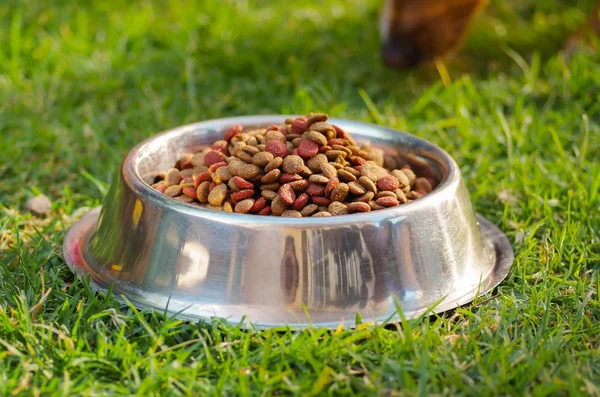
306,167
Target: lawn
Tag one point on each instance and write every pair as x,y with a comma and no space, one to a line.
82,82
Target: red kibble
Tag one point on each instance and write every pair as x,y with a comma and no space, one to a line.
276,148
214,166
388,182
358,168
407,167
340,133
242,183
259,204
314,189
233,132
273,128
286,178
299,125
242,194
265,211
320,200
221,147
295,152
190,191
212,157
387,201
161,187
308,149
358,207
186,165
211,186
333,182
324,149
357,160
287,194
431,181
335,141
300,202
203,176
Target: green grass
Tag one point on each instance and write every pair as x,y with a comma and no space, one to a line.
82,82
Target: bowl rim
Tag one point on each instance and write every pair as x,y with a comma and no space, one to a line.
444,190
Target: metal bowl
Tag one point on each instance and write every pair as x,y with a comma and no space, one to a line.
433,253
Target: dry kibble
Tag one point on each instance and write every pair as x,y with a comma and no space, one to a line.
291,214
305,167
173,177
261,159
321,214
244,206
173,191
218,194
339,193
337,208
293,164
329,170
309,209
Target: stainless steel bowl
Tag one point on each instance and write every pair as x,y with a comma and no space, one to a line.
433,253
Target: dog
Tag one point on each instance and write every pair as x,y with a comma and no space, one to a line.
419,31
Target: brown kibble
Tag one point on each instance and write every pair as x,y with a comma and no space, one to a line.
329,170
269,194
274,135
321,214
188,172
318,178
374,206
309,209
410,175
322,127
367,184
247,171
173,177
403,180
291,214
413,195
387,201
422,184
373,171
337,208
203,191
333,155
271,176
287,194
222,174
314,164
218,194
316,117
275,163
358,207
244,156
401,196
244,206
339,192
315,137
356,188
293,164
299,186
278,207
388,182
365,198
271,186
184,198
385,193
346,176
173,191
261,159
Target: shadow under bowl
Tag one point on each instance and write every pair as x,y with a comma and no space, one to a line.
431,254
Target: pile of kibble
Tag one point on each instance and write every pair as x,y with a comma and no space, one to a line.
306,167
